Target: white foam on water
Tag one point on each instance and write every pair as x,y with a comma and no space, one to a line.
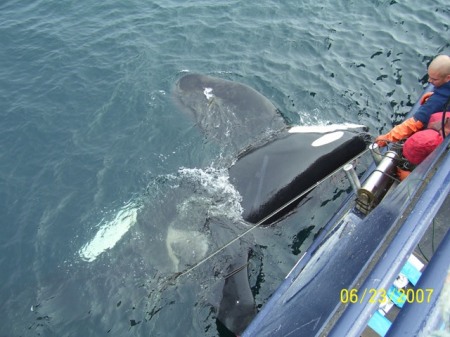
109,233
223,198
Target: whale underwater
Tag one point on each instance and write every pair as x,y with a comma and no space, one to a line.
273,163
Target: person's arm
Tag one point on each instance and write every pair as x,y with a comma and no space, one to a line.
429,105
399,132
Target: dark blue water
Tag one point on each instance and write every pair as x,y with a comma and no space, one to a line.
97,162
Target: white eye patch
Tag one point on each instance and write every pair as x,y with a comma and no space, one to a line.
328,138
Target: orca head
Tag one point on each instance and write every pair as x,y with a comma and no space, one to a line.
275,173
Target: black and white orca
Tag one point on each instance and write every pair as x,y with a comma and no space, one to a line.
267,175
275,171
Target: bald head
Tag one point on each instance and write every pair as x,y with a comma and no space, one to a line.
439,70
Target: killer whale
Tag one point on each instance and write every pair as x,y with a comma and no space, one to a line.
224,111
284,162
269,171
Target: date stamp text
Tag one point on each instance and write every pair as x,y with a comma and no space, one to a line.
409,295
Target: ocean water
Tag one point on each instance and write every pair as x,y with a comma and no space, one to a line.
98,166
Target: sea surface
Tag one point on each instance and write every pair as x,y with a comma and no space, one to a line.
98,166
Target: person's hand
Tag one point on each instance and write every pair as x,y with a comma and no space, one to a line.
381,141
425,97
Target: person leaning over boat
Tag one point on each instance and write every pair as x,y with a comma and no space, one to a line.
439,76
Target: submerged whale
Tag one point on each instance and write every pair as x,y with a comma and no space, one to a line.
190,219
228,112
